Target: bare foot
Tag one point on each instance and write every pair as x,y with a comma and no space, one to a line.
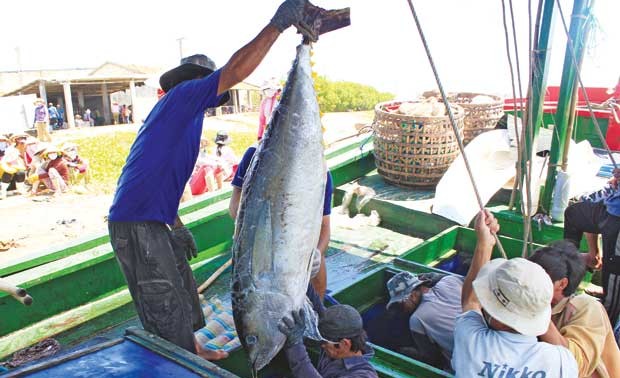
594,262
210,355
594,290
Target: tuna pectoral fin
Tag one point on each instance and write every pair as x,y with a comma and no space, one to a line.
311,320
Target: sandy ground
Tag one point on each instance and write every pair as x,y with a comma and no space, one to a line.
32,224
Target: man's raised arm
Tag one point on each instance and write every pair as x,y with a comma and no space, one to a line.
245,61
486,226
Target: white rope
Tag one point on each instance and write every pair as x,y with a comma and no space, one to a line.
583,89
452,121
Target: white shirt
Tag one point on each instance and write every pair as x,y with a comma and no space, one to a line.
437,312
483,352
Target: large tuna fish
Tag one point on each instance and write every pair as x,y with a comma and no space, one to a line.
279,220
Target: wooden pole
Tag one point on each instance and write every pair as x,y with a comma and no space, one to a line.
66,87
135,114
16,292
214,276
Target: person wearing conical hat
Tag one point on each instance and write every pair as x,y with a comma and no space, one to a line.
55,174
13,166
78,166
38,160
41,119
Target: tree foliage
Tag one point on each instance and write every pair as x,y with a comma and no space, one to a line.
342,96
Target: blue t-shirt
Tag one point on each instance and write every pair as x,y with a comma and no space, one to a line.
163,155
483,352
613,203
52,112
244,164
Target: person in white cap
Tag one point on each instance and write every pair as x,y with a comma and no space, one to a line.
271,91
506,305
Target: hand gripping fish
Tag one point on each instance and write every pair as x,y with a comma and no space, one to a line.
279,220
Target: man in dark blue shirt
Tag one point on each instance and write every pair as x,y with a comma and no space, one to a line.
150,242
596,215
345,352
319,282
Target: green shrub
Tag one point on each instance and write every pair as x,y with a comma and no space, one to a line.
342,96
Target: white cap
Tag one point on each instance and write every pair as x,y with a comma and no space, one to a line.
272,83
516,292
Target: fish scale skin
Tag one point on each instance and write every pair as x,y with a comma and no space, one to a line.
279,218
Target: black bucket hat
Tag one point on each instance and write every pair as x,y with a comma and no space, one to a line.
222,137
190,68
340,322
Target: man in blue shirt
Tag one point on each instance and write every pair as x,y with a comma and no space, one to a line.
53,112
151,244
319,281
600,216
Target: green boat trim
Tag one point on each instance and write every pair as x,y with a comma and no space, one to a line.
96,269
338,156
103,301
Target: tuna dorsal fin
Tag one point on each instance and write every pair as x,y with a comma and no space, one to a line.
311,320
262,249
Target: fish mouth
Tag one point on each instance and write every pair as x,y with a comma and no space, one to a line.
256,366
259,363
262,357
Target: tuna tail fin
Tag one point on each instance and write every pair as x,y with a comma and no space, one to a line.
311,320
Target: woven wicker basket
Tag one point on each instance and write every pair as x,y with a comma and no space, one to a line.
478,117
414,151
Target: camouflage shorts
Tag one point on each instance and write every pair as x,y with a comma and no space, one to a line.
160,280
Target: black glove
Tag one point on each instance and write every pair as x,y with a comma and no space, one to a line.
293,329
289,13
183,238
431,278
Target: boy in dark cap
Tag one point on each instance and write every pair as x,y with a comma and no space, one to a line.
151,243
343,354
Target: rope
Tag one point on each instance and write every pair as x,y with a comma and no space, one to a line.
525,205
514,96
527,220
452,121
583,89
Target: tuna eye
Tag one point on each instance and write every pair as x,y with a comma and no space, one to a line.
251,339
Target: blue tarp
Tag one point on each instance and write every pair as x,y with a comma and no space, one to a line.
126,359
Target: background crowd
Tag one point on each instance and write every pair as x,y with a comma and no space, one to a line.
51,117
29,166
